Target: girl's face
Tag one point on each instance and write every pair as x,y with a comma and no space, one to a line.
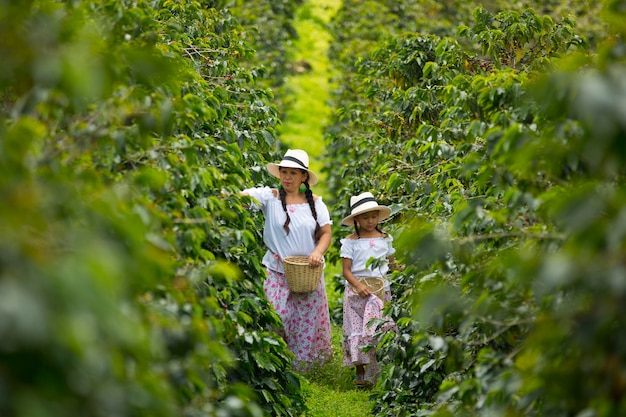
368,221
291,178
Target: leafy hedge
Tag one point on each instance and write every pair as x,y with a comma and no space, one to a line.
497,137
129,286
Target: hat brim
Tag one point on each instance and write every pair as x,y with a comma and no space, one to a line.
384,212
274,169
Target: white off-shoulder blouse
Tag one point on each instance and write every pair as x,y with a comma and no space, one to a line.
300,240
362,249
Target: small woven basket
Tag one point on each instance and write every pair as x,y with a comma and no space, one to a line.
299,275
376,286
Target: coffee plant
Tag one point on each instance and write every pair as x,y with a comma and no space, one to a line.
130,284
502,164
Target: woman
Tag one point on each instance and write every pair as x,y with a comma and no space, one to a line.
297,222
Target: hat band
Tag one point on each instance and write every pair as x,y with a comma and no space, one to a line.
363,201
296,160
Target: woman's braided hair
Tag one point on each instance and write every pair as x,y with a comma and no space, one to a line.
309,198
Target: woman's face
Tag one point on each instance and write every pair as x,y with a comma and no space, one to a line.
291,178
368,221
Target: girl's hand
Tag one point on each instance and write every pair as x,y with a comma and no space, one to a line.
362,290
394,266
315,259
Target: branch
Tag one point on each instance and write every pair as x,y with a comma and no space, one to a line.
494,236
504,329
192,50
193,221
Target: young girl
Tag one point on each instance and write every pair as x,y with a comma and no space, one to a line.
360,305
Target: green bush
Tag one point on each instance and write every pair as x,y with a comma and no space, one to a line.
506,198
131,286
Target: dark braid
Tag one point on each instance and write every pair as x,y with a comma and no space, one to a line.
309,197
283,200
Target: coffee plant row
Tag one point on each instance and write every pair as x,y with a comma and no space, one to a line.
496,132
129,285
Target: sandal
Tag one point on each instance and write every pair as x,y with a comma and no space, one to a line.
362,383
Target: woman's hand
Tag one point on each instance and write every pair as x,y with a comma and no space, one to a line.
316,259
393,265
362,290
396,267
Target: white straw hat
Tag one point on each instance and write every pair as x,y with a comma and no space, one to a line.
364,203
294,158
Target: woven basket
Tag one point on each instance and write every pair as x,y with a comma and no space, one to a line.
299,275
376,286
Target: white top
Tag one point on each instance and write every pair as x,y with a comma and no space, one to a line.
362,249
300,240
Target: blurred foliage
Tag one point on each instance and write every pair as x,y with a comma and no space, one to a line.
496,133
129,285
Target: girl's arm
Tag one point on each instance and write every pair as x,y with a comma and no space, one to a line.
317,256
359,287
393,266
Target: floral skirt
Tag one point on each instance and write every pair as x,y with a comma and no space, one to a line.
305,318
358,341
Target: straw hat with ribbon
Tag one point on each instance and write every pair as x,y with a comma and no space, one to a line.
364,203
294,158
